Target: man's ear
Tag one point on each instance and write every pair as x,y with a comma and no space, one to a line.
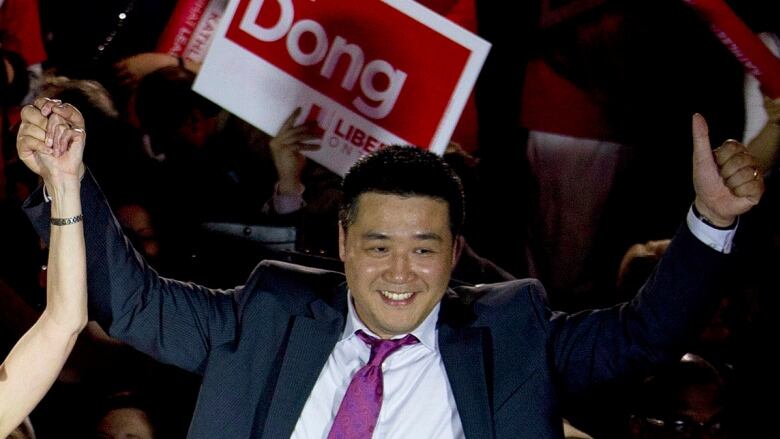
457,248
342,242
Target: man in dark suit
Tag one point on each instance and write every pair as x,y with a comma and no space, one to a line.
278,354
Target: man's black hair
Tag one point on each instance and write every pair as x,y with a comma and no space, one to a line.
405,171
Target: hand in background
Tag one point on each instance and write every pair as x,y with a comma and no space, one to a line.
131,70
286,149
772,107
766,144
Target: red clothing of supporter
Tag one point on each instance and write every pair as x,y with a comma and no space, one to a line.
2,173
20,30
573,159
552,104
14,117
463,13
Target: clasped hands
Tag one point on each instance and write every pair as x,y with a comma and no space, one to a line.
51,140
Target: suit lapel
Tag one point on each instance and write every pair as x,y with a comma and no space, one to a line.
463,356
310,343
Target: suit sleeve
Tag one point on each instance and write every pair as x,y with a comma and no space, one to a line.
657,326
174,322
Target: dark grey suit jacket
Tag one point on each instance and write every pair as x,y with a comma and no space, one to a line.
260,347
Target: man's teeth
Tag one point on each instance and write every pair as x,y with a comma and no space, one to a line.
396,296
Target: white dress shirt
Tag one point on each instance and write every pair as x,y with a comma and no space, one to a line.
418,401
717,239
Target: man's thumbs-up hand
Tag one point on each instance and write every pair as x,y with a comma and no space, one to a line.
728,181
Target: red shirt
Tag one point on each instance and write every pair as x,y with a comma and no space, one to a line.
20,30
553,104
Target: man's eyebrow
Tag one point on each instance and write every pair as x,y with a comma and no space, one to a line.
423,236
428,236
375,236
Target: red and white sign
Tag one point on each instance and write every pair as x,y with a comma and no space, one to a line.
190,29
371,73
746,46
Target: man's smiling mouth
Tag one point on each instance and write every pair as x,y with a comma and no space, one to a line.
395,296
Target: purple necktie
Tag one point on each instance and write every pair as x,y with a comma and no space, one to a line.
359,410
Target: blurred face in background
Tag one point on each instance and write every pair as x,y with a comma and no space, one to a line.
125,423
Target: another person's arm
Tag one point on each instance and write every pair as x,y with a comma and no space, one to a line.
132,69
766,144
35,362
174,322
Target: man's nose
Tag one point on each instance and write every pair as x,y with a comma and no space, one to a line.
400,269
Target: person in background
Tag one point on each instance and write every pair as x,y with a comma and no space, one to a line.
125,415
687,400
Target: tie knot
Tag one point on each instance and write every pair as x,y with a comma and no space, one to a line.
381,349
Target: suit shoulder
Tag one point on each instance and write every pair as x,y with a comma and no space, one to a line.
503,293
270,275
504,304
291,286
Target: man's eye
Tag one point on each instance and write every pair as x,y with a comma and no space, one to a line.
423,251
378,250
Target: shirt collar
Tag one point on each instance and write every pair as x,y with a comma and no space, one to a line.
425,332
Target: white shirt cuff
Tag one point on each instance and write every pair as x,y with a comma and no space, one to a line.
718,239
284,204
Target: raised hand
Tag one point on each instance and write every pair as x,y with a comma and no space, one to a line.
51,139
132,69
728,181
286,149
765,146
772,107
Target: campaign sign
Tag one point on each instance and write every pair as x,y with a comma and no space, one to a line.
746,46
371,73
190,29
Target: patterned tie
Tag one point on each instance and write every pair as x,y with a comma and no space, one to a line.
359,410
